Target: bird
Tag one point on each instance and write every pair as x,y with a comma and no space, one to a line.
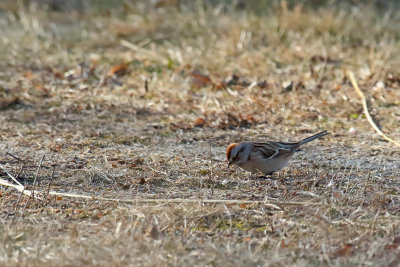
268,157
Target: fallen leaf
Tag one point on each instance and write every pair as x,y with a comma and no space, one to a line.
94,63
337,194
247,239
98,215
199,122
219,86
58,75
337,87
243,205
346,250
28,75
180,125
42,89
283,244
200,80
391,246
56,148
118,70
250,118
395,244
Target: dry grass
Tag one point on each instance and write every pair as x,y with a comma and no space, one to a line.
72,89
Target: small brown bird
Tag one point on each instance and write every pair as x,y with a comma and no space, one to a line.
265,157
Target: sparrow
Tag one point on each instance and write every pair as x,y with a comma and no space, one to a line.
267,157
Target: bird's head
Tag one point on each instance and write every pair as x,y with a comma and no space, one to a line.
231,157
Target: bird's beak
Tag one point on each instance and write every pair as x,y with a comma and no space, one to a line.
229,163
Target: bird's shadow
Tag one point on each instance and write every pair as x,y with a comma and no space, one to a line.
271,176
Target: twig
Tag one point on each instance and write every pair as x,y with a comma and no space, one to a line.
16,204
138,49
365,107
211,170
99,84
20,170
36,175
146,86
51,180
374,221
19,187
32,195
10,175
21,161
15,157
271,203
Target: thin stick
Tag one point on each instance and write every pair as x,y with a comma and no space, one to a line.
36,175
10,175
21,170
48,186
366,112
19,187
99,84
16,205
211,170
15,157
33,187
273,204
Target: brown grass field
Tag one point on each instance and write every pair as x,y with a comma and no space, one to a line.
117,116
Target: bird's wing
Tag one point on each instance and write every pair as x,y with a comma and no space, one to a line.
272,149
288,146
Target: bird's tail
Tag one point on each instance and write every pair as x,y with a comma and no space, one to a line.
311,138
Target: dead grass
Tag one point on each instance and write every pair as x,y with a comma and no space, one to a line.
140,103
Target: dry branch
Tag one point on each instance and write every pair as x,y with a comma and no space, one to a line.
271,203
10,175
365,107
36,175
19,187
